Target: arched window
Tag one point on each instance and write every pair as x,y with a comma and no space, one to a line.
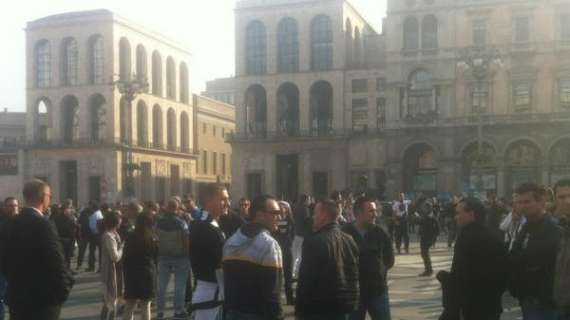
184,85
184,132
321,108
559,161
125,119
429,33
321,43
96,60
43,64
523,160
170,79
157,127
256,48
256,110
156,74
142,124
96,117
43,120
288,45
411,33
348,42
70,119
124,59
288,110
479,168
142,71
69,62
357,48
171,129
420,93
420,169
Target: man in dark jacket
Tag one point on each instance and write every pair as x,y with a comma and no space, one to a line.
301,216
533,255
10,209
66,226
253,267
328,277
376,258
429,230
478,278
83,234
562,275
33,260
284,235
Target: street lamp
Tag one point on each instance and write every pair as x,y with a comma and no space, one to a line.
479,61
129,87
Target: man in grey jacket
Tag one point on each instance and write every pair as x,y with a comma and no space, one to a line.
562,275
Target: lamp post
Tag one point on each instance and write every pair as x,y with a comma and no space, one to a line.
129,87
479,61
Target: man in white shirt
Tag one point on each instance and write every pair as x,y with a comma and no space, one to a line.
94,238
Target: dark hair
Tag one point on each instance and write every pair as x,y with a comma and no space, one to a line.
537,191
259,204
335,195
303,198
359,204
144,229
9,199
33,190
330,207
561,184
211,190
111,220
476,206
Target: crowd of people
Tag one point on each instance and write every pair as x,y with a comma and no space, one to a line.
242,263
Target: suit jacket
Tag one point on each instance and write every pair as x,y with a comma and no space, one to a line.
33,263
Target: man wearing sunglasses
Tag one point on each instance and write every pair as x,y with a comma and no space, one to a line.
253,266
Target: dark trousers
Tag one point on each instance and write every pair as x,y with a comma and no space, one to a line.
341,316
378,307
94,244
401,234
68,247
82,244
424,247
288,271
3,285
34,313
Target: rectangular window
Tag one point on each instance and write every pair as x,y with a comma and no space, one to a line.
205,162
224,164
254,183
479,99
359,85
146,181
94,186
214,131
522,97
380,84
522,29
380,113
359,115
565,94
223,132
479,32
565,28
204,128
215,163
174,180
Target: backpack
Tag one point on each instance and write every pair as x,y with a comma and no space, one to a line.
172,243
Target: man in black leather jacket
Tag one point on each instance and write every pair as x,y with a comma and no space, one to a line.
376,258
328,276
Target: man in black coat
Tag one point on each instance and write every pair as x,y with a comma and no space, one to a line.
328,276
429,230
33,260
376,258
474,288
533,255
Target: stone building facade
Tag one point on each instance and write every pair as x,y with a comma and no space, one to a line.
324,102
81,132
215,122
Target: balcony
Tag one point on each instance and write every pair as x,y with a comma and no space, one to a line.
283,136
107,143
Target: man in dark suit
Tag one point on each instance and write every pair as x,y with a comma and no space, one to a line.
33,260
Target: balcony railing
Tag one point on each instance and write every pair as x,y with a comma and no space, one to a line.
117,142
300,134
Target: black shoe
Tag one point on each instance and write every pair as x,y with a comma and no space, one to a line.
426,274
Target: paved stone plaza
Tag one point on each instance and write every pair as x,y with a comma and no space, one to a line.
412,298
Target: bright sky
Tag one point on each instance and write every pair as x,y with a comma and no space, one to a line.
206,27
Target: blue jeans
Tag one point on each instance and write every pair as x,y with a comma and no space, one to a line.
533,310
3,285
377,306
167,266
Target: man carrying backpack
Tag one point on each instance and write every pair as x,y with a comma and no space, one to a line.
172,233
